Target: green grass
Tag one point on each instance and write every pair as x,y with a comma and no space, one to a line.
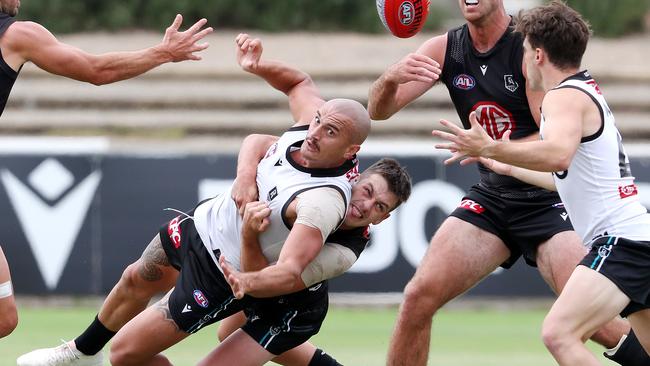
354,336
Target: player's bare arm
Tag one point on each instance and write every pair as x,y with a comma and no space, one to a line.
562,134
29,41
408,79
301,247
304,97
251,152
255,221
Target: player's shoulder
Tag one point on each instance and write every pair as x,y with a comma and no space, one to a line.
25,33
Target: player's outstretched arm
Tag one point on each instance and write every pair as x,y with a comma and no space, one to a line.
304,96
406,80
29,41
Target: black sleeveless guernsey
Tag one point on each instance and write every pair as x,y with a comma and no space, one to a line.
493,85
7,74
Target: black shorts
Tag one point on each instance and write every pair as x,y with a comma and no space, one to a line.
201,295
523,220
282,323
626,263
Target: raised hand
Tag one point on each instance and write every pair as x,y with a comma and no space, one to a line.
181,46
249,51
463,143
414,67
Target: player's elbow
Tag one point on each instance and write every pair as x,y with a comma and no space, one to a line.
561,164
378,114
102,77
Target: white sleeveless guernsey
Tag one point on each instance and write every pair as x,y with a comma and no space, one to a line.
279,180
598,189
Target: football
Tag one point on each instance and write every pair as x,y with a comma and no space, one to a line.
403,18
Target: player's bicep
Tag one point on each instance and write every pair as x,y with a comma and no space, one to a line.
321,208
562,120
333,260
38,45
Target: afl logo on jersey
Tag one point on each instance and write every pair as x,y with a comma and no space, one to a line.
464,82
200,298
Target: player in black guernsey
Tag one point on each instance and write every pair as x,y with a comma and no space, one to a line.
23,41
500,218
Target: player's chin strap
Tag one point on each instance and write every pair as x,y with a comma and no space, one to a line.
6,290
180,212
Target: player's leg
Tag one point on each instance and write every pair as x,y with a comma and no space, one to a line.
641,324
238,349
8,312
556,260
140,281
305,354
588,301
141,341
459,256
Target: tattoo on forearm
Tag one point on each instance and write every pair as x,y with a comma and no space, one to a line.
153,257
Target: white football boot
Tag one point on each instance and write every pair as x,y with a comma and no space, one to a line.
65,354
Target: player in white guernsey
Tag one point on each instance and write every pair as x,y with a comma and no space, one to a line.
321,146
582,148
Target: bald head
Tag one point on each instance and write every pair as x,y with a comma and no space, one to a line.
356,116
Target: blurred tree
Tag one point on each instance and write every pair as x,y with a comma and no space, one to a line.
64,16
611,18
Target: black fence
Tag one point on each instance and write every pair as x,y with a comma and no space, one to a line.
72,222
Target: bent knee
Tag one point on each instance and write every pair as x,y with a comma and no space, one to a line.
122,353
133,284
556,335
8,322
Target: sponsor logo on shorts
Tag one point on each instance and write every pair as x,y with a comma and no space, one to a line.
627,191
604,251
464,82
558,205
564,216
186,309
174,232
315,288
406,13
471,206
200,298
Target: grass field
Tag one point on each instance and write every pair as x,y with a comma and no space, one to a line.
353,336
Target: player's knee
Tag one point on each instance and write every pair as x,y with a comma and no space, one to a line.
223,333
122,354
419,300
554,334
8,322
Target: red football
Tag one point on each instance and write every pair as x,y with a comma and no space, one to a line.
403,18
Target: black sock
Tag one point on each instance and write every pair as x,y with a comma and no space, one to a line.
94,338
630,353
321,358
